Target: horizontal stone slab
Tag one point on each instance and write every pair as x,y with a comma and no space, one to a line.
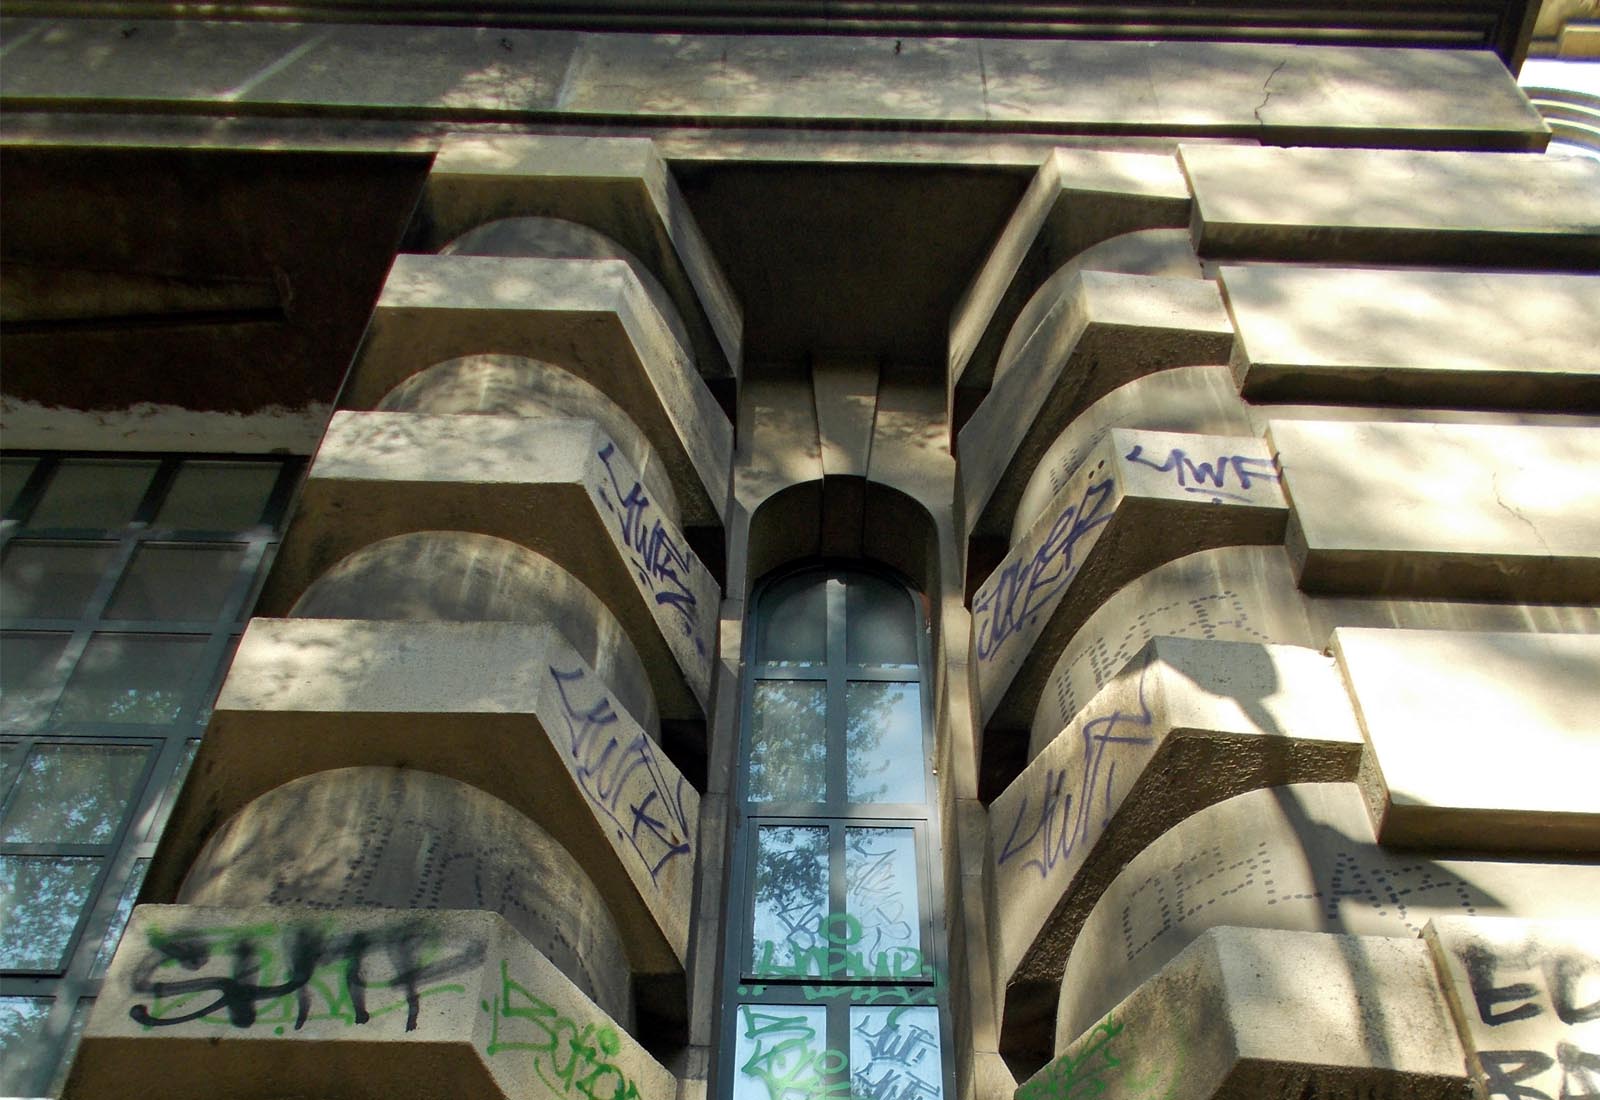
1491,339
1254,1012
269,1001
1478,740
559,487
1462,510
1188,723
508,708
591,317
619,186
1105,331
1394,206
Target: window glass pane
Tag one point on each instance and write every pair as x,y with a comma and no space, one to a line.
73,794
51,580
28,683
93,492
218,496
894,1054
23,1048
119,919
794,621
880,872
788,741
176,581
883,742
880,624
10,763
781,1053
790,901
40,898
130,678
80,1016
13,476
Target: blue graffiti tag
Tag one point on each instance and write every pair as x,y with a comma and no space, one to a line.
1209,478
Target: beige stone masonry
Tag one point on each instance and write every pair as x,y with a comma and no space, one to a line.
266,1002
509,708
557,486
619,186
1526,996
1141,498
1240,715
1254,1013
1458,510
1480,740
1106,330
1301,858
1393,205
1491,339
591,317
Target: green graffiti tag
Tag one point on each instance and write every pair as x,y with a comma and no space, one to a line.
567,1057
781,1050
1093,1068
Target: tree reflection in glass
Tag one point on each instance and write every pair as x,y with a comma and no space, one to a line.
788,741
791,901
72,794
40,897
883,742
880,870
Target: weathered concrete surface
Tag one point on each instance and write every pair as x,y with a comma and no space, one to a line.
1263,1014
1478,740
618,186
455,1004
1375,204
1142,498
1103,332
509,708
591,317
1300,857
1240,715
559,487
1523,993
1467,511
1491,339
404,839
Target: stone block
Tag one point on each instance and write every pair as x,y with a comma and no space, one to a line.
1394,205
1253,1013
591,317
267,1002
1105,331
508,708
1188,723
1467,511
1141,499
1478,740
1462,338
1526,996
617,185
559,487
1301,858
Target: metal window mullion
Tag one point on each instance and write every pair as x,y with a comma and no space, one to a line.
835,723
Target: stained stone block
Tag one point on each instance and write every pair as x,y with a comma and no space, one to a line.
1301,858
1104,331
1394,205
1490,339
1124,770
559,487
266,1002
591,317
509,708
1478,740
1526,996
1462,510
1152,497
617,185
1252,1014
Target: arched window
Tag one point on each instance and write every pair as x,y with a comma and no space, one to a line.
834,972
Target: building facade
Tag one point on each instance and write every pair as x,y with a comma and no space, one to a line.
782,552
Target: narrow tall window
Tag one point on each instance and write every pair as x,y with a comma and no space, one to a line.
835,984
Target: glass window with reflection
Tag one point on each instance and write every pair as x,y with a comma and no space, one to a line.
835,979
124,584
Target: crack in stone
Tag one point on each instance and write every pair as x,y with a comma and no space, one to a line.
1266,91
1494,483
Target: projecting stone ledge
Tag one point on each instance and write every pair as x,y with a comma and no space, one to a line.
268,1002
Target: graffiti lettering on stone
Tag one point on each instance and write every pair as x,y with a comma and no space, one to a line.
620,770
1210,479
571,1057
286,977
1098,1063
662,565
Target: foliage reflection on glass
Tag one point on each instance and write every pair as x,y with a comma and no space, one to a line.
788,742
791,899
